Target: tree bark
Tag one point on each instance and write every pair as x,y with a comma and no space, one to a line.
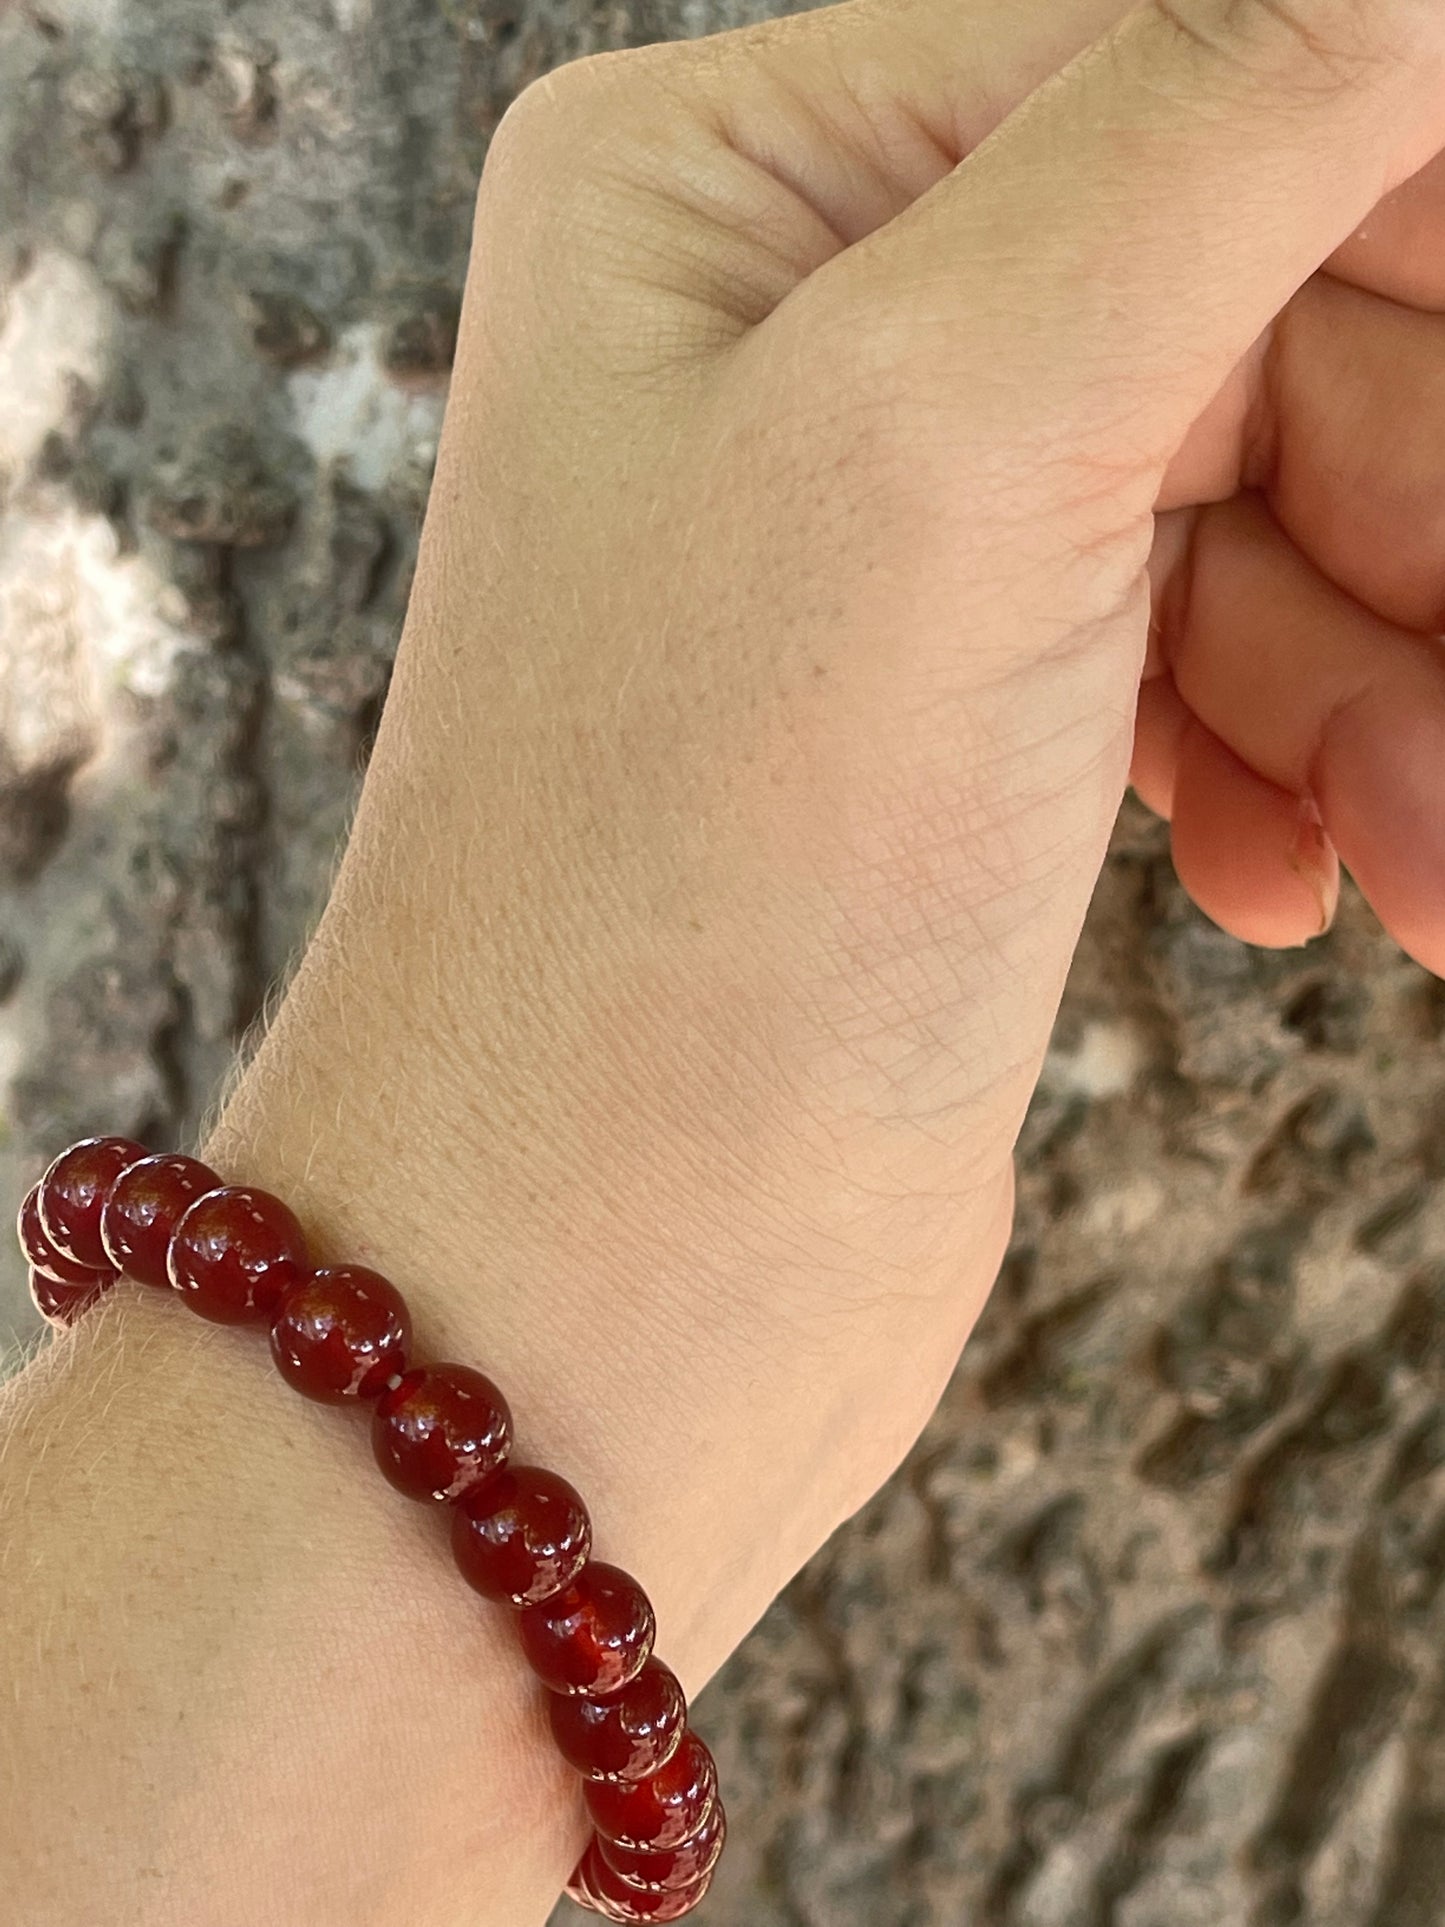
1147,1632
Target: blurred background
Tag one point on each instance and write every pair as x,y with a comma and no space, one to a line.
1147,1633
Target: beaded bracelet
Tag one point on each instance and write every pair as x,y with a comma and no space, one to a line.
441,1434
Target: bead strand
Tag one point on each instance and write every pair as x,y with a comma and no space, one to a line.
441,1434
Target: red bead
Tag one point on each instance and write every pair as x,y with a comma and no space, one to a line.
234,1253
576,1889
627,1735
141,1212
663,1810
343,1333
582,1886
41,1255
522,1536
594,1636
62,1304
673,1870
596,1886
72,1193
441,1432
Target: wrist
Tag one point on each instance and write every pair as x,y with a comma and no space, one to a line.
302,1712
693,1360
690,1361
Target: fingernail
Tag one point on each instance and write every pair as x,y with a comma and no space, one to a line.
1313,860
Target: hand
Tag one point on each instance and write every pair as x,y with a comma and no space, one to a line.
768,687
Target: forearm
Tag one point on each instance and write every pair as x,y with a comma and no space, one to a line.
242,1677
241,1680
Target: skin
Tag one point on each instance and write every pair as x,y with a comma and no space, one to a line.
809,511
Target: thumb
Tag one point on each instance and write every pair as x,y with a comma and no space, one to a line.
1115,247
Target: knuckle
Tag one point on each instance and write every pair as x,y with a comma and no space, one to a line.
543,115
576,140
548,179
578,223
572,108
1303,46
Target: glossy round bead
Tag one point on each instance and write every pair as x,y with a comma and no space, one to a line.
594,1884
627,1735
41,1255
661,1811
522,1536
235,1252
441,1432
582,1887
143,1208
575,1888
72,1193
62,1304
594,1636
343,1333
673,1869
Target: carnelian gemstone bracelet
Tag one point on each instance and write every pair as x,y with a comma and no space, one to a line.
441,1434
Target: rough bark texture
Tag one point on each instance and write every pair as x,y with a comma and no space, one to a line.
1147,1632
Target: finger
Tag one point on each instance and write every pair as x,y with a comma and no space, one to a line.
1320,698
1252,855
1338,415
1149,211
1160,724
889,70
724,170
1356,413
1399,250
861,108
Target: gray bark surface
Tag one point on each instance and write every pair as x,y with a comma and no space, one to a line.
1147,1633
